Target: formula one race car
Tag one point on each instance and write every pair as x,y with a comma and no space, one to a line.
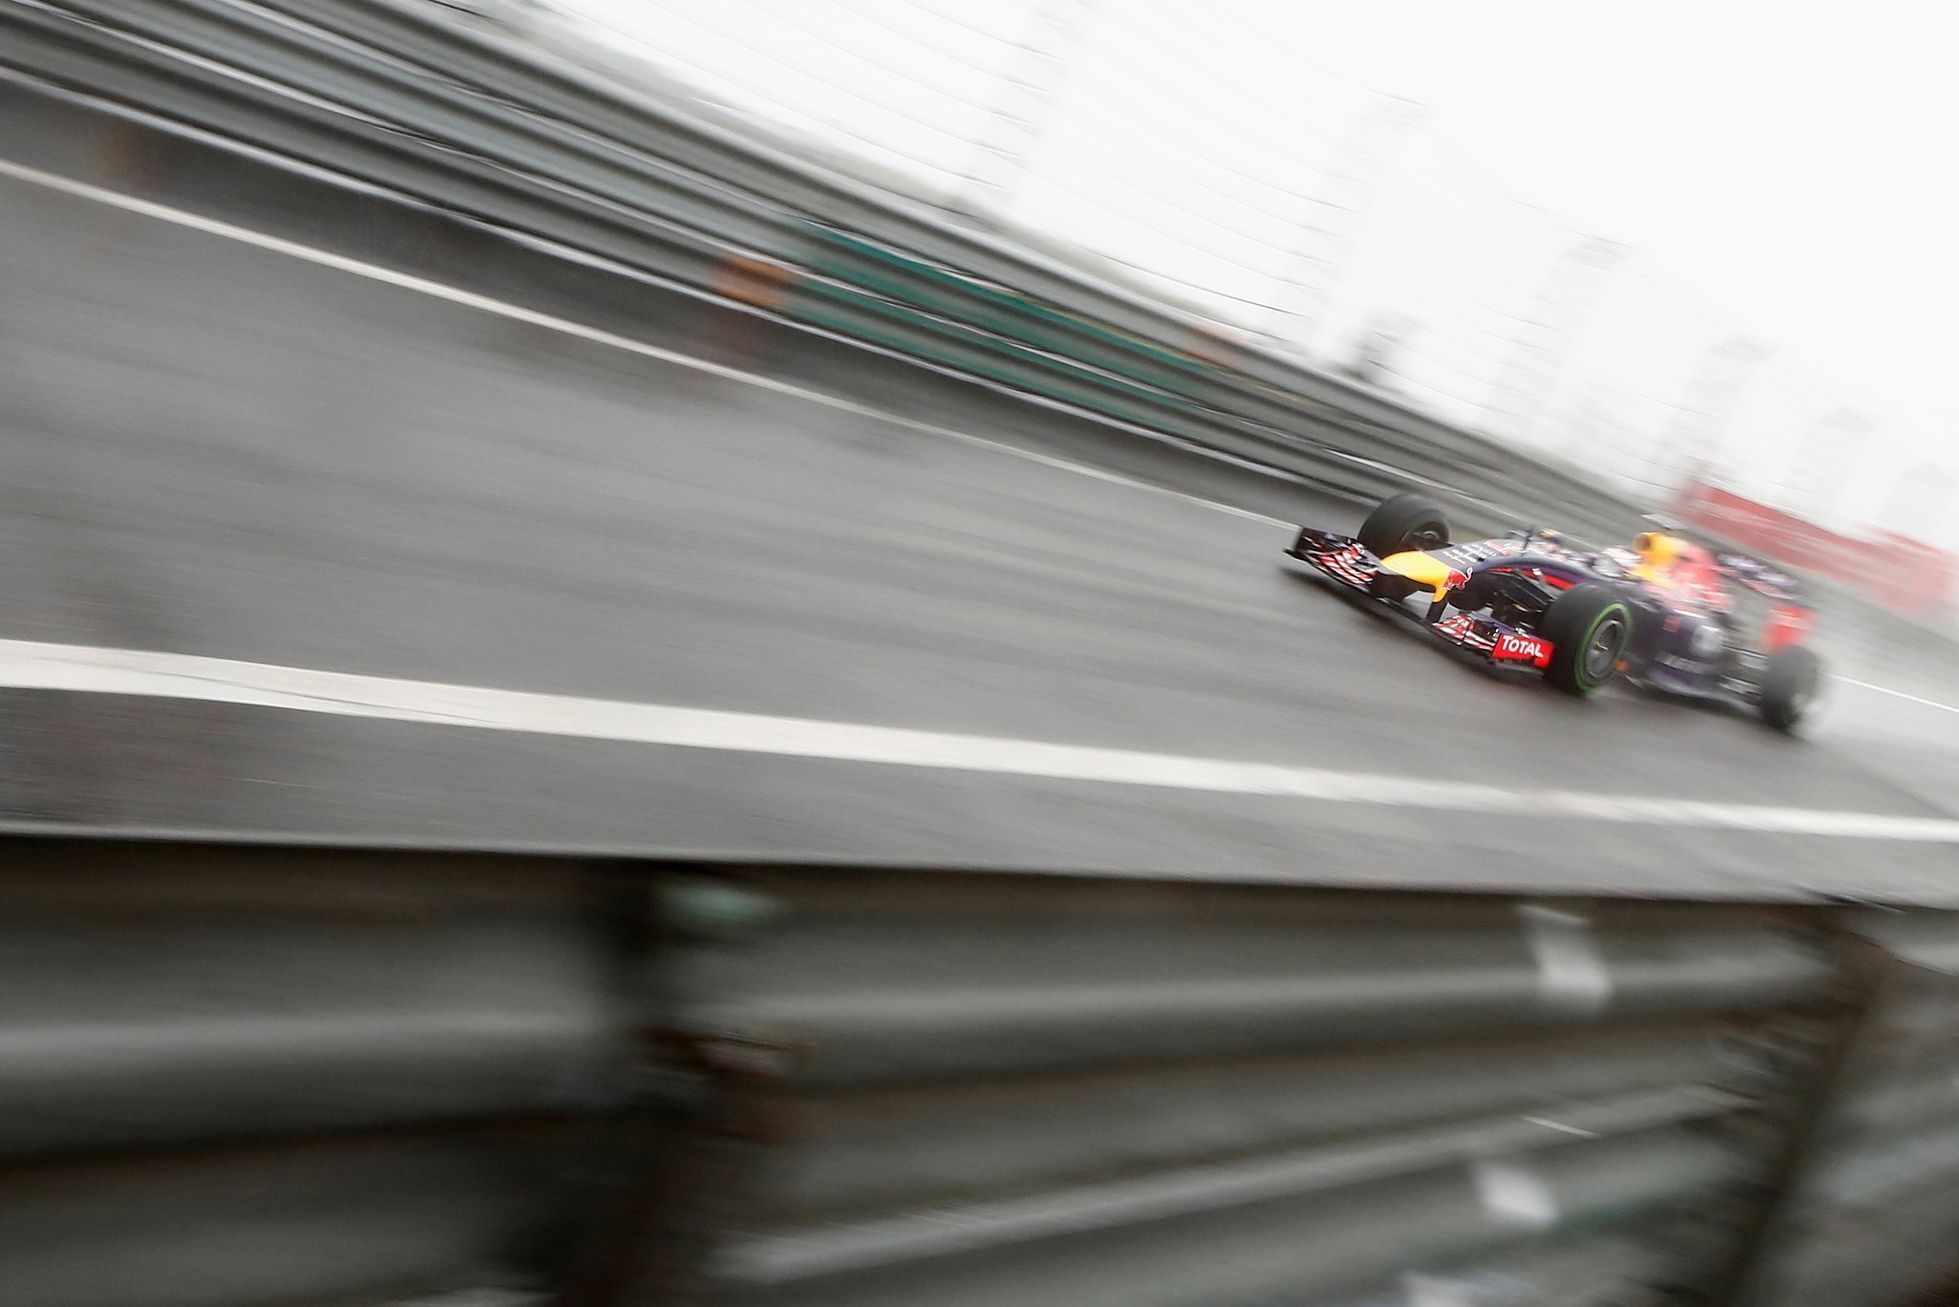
1663,614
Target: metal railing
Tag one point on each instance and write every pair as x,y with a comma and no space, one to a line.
398,94
252,1072
1050,1092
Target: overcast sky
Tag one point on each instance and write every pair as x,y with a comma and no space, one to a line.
1792,163
1781,170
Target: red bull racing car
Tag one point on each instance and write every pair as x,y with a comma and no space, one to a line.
1664,614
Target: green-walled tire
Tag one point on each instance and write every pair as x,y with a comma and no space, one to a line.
1589,628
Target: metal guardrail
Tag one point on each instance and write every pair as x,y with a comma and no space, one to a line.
243,1073
1032,1093
402,95
1874,1202
236,1077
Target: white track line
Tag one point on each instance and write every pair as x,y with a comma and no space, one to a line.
565,326
1900,694
86,669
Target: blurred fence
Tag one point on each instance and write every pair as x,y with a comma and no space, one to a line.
1211,160
250,1073
397,94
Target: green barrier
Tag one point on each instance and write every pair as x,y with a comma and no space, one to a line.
895,333
944,292
973,349
871,292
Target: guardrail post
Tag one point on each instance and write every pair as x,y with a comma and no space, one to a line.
1843,1019
686,1148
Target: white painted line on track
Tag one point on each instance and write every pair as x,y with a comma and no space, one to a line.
565,326
28,664
1900,694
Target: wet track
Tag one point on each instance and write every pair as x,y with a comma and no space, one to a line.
217,449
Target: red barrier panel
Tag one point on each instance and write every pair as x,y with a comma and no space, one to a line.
1908,576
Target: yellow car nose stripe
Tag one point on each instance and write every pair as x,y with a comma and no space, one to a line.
1421,568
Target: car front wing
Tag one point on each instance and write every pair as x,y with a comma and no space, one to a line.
1351,565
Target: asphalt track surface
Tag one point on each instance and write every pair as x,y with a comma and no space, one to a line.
214,448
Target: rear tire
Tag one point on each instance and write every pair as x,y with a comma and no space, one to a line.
1402,523
1590,629
1791,683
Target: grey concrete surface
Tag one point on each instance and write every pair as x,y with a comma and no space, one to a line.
209,448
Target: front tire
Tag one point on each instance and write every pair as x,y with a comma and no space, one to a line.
1402,523
1791,684
1589,628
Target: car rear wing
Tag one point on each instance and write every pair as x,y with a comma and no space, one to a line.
1791,618
1763,578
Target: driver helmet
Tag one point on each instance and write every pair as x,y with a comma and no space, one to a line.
1657,550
